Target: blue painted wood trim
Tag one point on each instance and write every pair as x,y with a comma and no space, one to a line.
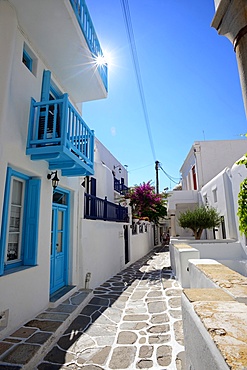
46,83
92,148
31,222
30,126
85,22
64,119
31,207
75,142
67,236
5,219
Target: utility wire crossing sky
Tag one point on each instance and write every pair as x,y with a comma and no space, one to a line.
172,81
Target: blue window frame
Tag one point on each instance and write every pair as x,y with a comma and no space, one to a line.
19,231
27,60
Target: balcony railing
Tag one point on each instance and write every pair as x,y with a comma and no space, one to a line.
100,209
119,187
86,25
58,134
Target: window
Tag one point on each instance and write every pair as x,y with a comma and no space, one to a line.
194,178
214,195
18,245
29,59
13,247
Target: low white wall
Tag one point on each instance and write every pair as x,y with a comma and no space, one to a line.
238,266
200,351
141,244
230,254
180,262
197,278
101,252
219,251
23,294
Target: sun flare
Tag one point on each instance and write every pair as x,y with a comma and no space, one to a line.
102,60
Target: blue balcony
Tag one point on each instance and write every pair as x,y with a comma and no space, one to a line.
120,187
86,24
101,209
58,135
63,35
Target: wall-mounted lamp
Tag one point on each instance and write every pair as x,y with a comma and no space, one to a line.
84,182
119,168
55,180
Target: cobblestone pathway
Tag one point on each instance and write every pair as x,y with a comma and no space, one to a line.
132,322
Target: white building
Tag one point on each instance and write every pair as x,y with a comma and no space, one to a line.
52,238
75,234
207,158
222,193
218,193
200,176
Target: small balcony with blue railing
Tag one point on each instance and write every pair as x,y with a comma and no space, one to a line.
119,187
101,209
86,25
63,34
58,135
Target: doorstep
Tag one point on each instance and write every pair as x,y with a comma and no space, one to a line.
61,295
24,348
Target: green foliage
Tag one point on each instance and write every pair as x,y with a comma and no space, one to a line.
243,161
242,201
199,219
242,207
146,203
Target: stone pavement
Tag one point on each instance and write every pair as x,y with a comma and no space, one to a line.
133,321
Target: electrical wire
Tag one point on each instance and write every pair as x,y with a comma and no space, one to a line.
169,177
130,34
139,168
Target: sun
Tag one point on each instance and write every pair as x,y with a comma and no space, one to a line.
102,60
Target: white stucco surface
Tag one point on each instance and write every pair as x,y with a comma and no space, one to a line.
196,277
141,244
218,193
95,246
200,350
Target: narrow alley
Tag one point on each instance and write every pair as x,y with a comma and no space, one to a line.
132,322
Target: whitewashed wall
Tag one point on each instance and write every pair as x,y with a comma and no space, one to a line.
141,244
26,293
104,168
210,158
218,194
101,252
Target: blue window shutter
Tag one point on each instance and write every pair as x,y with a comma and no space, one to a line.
46,83
32,223
5,219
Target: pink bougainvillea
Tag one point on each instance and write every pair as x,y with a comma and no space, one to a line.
146,203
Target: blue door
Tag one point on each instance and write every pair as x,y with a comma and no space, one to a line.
59,245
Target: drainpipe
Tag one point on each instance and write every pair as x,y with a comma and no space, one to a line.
87,280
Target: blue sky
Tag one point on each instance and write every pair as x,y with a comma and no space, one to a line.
190,81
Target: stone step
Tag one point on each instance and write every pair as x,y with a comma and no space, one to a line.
24,348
